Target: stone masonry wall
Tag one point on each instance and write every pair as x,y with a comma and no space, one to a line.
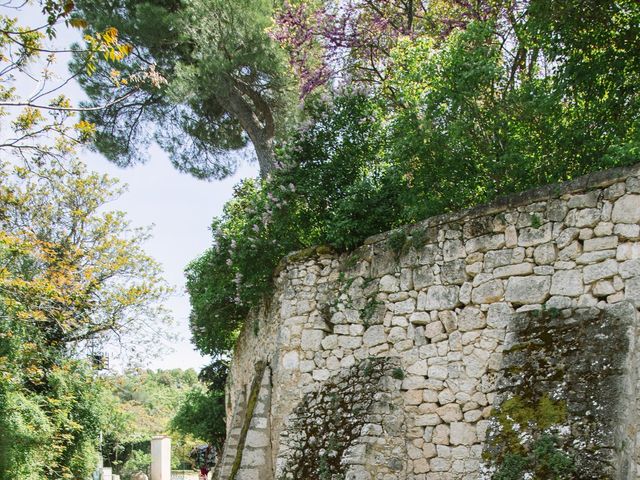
390,362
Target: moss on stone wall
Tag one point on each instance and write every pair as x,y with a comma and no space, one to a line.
526,441
328,422
562,395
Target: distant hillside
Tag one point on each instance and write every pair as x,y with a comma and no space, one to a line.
144,402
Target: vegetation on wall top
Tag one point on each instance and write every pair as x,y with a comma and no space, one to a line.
474,101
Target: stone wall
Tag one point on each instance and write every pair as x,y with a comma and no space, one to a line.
394,361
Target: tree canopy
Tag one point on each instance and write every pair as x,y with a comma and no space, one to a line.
80,272
202,411
225,83
70,273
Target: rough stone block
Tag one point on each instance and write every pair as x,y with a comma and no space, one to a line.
633,185
413,397
489,292
423,277
567,236
585,200
545,254
630,268
406,279
461,433
485,243
513,270
420,465
529,236
428,419
632,291
290,360
439,297
626,209
606,269
449,320
510,236
404,307
438,372
347,341
627,231
527,290
567,283
355,455
248,474
440,435
603,288
389,284
498,315
438,464
433,329
420,318
428,254
595,257
258,439
450,413
311,340
628,251
452,250
471,318
556,210
418,368
600,243
586,217
330,342
453,272
475,363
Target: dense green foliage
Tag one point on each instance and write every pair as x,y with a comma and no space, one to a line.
458,119
202,415
202,412
70,273
49,428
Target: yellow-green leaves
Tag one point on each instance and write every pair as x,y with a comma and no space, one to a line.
33,96
67,265
85,129
78,23
106,44
28,119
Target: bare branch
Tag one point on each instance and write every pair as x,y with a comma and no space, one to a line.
69,109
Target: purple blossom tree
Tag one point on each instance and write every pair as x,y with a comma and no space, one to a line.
349,41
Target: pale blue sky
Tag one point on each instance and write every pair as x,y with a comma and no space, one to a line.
181,209
179,206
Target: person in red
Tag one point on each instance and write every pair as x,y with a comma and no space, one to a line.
203,458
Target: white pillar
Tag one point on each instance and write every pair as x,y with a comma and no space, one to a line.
161,458
106,473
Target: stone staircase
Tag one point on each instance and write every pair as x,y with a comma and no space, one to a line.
247,450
